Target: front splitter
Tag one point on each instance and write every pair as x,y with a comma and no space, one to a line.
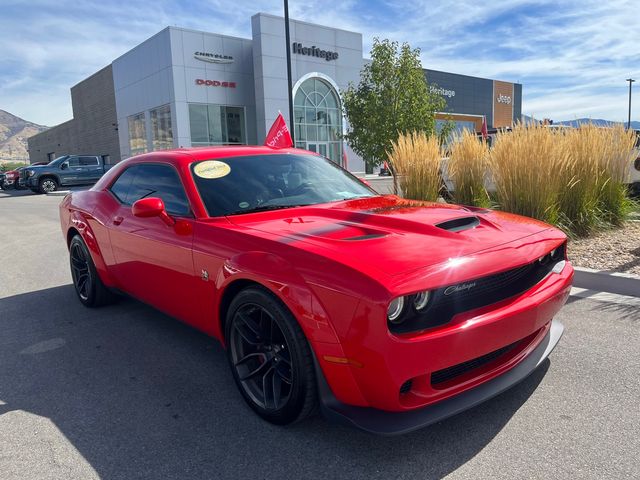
396,423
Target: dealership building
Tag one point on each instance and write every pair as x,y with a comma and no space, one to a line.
186,88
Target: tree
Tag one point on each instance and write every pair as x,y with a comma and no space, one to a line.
392,98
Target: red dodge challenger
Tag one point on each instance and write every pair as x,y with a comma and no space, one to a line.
385,313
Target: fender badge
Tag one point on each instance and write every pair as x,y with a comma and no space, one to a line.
205,275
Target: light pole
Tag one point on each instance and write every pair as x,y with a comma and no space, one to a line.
289,96
630,80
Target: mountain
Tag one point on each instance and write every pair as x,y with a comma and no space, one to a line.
596,121
574,123
14,132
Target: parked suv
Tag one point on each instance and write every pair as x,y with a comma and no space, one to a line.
67,170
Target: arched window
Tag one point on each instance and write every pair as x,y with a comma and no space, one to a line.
318,118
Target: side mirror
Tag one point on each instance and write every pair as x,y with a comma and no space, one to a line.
64,166
152,207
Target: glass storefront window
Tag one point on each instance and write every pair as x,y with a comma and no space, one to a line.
217,125
137,134
199,124
235,125
318,119
161,131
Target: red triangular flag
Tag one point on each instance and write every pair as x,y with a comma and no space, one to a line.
484,130
279,136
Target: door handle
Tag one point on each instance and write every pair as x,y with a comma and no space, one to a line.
117,220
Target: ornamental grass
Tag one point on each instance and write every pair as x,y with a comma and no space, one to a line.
467,168
415,158
525,165
574,177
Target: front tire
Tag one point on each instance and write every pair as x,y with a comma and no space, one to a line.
270,357
48,185
88,286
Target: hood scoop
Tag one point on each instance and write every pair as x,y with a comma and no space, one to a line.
368,236
459,224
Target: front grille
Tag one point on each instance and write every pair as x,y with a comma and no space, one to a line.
441,376
450,300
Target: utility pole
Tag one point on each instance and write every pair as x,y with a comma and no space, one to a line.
630,80
289,82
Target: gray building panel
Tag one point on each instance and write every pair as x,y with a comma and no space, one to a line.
471,95
93,129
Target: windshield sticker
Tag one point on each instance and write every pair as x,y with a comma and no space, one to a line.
243,204
212,169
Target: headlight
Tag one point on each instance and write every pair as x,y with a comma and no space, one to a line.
420,300
30,173
395,310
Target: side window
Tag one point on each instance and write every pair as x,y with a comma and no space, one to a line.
160,181
120,187
73,162
89,161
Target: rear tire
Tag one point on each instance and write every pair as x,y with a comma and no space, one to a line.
48,185
88,286
270,357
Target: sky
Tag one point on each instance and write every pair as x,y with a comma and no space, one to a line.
572,57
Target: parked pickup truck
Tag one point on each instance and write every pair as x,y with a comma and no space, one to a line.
65,171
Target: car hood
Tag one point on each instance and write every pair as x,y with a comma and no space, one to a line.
394,234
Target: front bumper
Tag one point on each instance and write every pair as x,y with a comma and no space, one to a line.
395,423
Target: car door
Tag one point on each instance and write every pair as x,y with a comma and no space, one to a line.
92,169
153,261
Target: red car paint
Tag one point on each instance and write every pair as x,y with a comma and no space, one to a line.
338,290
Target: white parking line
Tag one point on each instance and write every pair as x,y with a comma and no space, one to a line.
605,297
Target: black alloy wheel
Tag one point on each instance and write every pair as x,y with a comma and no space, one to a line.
270,358
80,271
86,281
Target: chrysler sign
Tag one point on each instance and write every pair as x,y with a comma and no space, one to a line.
212,57
314,52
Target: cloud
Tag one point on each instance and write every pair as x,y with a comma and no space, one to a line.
571,57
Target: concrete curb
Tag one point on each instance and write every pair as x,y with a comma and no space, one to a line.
58,193
602,281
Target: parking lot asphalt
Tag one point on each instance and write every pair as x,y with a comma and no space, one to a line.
125,392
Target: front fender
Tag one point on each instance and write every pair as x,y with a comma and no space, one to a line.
38,176
280,277
318,315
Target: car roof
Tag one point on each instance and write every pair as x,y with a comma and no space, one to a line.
189,155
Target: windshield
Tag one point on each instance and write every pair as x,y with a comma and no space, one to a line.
58,160
237,185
